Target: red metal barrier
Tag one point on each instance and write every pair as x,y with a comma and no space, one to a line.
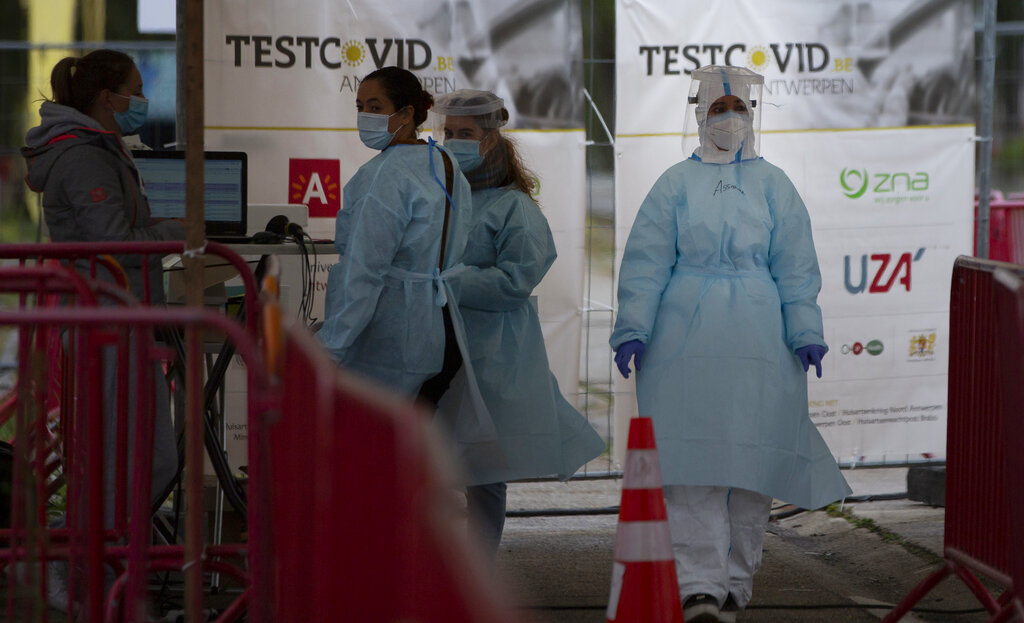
978,535
360,525
974,454
1009,296
97,254
85,534
355,472
42,284
1006,228
89,258
84,542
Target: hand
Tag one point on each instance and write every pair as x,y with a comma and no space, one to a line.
811,354
632,349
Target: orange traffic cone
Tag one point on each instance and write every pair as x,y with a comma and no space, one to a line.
644,586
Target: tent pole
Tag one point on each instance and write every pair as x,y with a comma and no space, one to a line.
195,239
984,138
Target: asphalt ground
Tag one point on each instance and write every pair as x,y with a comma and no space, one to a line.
852,562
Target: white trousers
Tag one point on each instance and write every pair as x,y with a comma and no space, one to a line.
717,534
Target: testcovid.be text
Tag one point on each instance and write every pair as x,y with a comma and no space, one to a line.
290,51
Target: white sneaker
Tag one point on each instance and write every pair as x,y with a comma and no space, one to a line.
700,608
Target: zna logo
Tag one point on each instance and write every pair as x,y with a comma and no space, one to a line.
901,271
855,182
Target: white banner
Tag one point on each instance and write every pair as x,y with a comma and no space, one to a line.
868,109
280,85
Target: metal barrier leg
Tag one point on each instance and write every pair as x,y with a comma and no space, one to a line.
977,588
917,593
1005,614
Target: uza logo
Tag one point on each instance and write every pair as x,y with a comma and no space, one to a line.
900,271
855,182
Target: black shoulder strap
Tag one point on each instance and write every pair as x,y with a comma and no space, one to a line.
449,178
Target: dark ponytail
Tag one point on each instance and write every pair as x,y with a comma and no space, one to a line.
403,89
77,81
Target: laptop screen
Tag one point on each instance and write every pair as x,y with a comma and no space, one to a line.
224,182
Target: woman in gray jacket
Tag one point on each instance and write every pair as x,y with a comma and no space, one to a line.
92,192
76,157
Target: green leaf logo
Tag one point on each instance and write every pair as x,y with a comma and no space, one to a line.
854,182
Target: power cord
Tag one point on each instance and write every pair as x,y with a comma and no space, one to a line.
309,271
792,511
775,515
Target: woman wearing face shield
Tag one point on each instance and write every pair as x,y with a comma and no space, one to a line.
399,234
509,250
717,310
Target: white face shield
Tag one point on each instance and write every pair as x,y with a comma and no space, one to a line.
468,123
723,115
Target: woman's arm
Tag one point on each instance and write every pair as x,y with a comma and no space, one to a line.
525,251
793,263
647,262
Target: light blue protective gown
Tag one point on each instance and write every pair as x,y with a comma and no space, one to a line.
720,280
383,314
510,249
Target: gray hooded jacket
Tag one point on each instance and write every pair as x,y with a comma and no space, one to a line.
91,190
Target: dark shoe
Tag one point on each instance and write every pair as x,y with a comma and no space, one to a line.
700,609
729,609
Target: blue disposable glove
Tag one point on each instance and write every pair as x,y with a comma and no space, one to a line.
632,349
811,355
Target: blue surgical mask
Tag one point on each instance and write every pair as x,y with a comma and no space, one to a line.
373,129
132,119
466,151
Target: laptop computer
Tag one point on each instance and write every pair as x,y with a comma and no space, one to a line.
224,197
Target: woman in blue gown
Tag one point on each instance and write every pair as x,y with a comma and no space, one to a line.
509,250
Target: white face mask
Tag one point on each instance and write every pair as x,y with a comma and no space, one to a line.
728,130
